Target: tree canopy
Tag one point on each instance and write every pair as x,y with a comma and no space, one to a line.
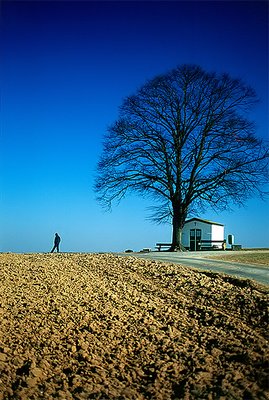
186,140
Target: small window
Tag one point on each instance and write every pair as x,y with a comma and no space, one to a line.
198,233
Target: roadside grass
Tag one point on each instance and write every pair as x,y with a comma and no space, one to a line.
251,258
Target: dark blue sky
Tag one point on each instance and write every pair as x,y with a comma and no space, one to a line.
66,66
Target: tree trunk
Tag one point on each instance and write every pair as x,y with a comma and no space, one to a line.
178,223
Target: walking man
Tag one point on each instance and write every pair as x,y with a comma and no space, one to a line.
56,243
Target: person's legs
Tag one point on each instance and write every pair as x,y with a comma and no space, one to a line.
57,248
53,249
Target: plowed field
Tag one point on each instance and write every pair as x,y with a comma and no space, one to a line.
87,326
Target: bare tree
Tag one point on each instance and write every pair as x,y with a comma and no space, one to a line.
186,140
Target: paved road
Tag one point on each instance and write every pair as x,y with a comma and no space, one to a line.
250,271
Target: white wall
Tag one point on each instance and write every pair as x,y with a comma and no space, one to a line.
206,231
217,232
209,232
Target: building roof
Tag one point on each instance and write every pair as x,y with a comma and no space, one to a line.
205,221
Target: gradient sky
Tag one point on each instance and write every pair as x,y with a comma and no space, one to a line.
66,66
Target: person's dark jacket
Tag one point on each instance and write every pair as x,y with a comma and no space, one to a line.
57,239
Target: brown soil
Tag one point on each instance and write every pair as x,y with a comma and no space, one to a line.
82,326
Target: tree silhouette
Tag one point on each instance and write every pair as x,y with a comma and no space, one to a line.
186,140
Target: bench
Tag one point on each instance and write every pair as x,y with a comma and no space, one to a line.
160,245
212,244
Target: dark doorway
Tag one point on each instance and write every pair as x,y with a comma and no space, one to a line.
195,239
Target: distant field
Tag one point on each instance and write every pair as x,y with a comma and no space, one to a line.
259,257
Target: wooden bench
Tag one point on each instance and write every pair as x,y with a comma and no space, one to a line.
160,245
212,244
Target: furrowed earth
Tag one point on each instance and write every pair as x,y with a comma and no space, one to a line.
99,326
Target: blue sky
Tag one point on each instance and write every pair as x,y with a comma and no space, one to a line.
66,68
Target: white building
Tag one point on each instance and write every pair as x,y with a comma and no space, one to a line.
200,234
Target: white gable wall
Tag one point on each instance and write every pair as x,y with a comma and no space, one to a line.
205,228
209,231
